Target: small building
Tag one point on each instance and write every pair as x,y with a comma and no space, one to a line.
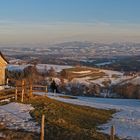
3,64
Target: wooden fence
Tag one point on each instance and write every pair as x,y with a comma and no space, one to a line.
22,87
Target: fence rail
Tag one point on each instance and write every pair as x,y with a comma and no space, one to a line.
6,97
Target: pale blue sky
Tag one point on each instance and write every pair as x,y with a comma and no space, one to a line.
44,21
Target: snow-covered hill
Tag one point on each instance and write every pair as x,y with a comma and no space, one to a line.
91,79
112,77
135,81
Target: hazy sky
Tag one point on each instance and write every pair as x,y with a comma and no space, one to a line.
48,21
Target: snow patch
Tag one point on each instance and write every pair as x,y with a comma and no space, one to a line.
82,72
57,68
110,73
17,67
16,116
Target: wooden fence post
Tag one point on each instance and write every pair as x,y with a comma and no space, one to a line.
42,127
7,81
31,90
16,92
22,94
112,133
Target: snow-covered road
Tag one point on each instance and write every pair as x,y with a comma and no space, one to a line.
126,120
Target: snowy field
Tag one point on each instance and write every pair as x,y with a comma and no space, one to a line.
16,116
126,120
40,67
57,68
103,64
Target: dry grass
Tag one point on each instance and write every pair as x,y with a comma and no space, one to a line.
8,134
67,121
